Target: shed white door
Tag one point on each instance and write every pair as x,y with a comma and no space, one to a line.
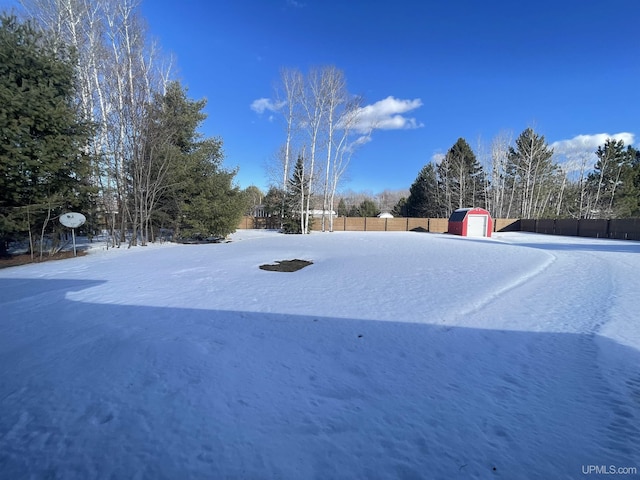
477,226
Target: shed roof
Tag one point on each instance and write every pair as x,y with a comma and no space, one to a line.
459,214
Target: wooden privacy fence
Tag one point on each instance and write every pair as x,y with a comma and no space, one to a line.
375,224
617,228
621,228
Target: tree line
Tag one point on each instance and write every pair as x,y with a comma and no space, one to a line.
92,121
522,180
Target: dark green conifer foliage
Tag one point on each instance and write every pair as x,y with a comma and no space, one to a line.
531,175
400,208
367,208
342,208
423,195
197,195
461,179
43,170
628,203
295,202
614,181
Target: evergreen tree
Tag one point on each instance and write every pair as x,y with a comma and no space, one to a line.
196,194
423,195
612,180
461,179
367,208
295,201
273,202
43,170
400,208
628,203
342,208
531,175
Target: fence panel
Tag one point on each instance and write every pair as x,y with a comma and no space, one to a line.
354,224
567,226
375,224
246,222
506,225
545,225
438,225
528,225
338,224
625,228
418,223
397,225
593,228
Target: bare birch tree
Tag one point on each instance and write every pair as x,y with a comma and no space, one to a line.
335,89
321,118
118,72
292,86
314,104
498,190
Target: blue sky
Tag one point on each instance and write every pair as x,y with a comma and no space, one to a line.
454,68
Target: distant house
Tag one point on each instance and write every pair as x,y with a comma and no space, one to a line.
318,213
385,215
259,211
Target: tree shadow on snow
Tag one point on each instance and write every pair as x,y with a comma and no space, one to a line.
98,391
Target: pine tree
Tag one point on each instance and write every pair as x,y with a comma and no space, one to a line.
611,168
272,202
611,171
192,190
43,170
423,194
461,178
367,208
531,175
342,208
295,202
400,208
628,203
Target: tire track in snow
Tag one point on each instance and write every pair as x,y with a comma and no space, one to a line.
490,297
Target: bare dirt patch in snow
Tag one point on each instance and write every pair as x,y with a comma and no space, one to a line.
286,265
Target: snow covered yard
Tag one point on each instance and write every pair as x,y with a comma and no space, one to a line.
394,355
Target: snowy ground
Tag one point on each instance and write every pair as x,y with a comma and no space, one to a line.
395,355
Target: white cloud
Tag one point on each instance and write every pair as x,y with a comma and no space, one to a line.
387,114
589,143
579,152
265,104
437,158
358,142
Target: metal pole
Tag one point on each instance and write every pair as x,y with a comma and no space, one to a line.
73,235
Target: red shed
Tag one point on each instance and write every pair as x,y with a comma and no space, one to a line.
470,222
